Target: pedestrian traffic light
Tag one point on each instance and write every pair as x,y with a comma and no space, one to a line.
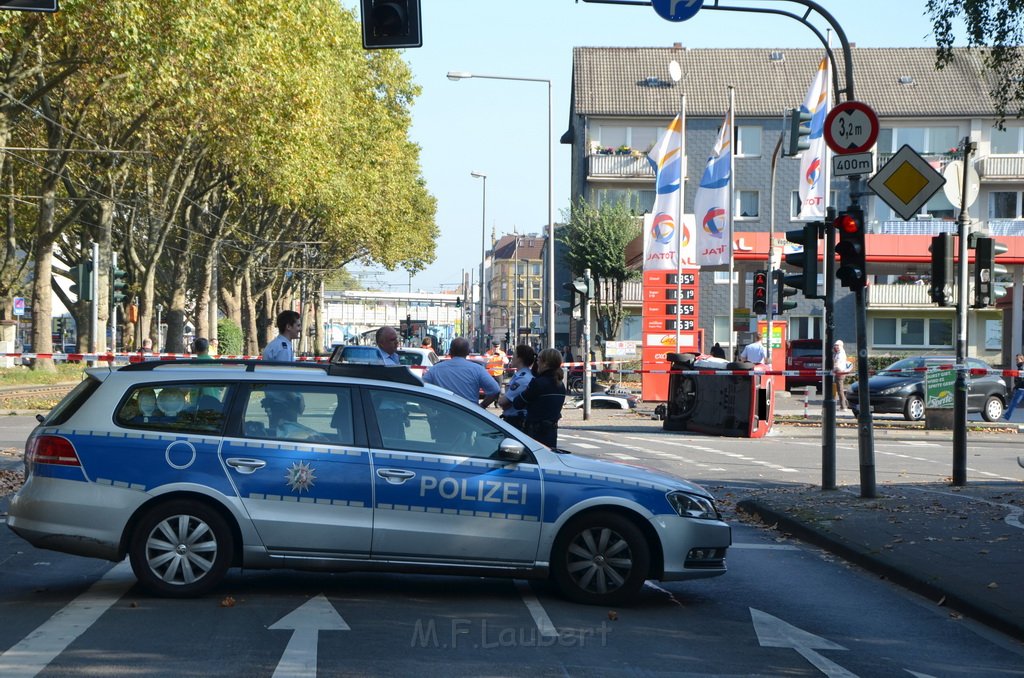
941,289
458,302
760,304
807,259
986,288
119,283
82,277
799,131
781,292
852,271
391,24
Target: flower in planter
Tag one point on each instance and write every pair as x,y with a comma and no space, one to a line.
623,150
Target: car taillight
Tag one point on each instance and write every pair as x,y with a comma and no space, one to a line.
52,450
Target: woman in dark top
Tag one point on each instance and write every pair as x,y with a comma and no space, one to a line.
543,398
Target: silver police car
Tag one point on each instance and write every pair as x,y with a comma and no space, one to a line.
191,468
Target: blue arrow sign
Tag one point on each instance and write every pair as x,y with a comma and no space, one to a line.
677,10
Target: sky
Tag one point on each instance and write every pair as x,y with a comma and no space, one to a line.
499,128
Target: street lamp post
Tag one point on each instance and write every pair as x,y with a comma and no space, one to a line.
483,261
550,304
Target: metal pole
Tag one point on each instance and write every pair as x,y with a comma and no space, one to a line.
679,220
960,388
828,404
587,367
113,306
551,228
94,325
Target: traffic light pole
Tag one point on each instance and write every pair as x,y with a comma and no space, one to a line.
587,367
960,387
828,404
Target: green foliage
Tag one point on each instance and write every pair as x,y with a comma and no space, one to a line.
229,337
23,376
995,25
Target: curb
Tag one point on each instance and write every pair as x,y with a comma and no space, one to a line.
856,554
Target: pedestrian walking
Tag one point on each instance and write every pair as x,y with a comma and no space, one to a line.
280,348
463,377
754,351
841,367
523,360
1018,388
543,398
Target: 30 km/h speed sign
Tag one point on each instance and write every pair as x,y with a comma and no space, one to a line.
851,127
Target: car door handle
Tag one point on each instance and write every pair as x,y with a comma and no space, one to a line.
245,465
395,476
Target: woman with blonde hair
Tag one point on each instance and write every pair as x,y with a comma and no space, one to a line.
543,398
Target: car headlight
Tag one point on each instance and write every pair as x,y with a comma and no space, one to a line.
693,506
891,390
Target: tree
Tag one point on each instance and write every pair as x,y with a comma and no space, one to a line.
597,239
995,25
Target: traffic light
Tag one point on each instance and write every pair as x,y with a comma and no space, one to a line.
781,292
852,271
408,326
458,302
942,269
391,24
581,286
82,276
119,283
986,270
760,304
508,337
799,131
806,281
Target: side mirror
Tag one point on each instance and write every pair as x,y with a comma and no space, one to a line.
511,450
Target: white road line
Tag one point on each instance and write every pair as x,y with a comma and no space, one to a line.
540,616
36,650
620,455
766,547
587,446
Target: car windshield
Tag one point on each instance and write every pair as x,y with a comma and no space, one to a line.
905,365
408,358
798,352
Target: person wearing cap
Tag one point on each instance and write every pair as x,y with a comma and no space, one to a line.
496,360
840,368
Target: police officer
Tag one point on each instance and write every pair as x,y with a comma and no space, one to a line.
543,398
280,347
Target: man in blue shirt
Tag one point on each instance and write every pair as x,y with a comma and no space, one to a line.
280,347
463,377
387,342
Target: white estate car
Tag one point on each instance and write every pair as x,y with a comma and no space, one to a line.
194,467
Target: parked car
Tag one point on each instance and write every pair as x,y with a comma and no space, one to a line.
803,354
899,388
418,357
191,469
354,353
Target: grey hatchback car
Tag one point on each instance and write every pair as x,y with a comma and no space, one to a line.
193,467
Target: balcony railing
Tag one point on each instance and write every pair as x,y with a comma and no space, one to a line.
915,227
898,296
619,166
1001,167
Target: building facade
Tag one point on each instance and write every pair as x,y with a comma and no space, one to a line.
515,288
623,97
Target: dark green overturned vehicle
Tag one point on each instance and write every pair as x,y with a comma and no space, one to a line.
899,388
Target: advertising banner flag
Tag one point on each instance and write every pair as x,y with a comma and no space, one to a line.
664,237
711,205
813,196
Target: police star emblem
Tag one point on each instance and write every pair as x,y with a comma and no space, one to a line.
300,477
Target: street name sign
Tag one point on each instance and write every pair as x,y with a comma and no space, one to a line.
906,182
851,127
677,10
852,163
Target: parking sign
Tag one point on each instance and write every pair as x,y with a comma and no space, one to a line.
19,305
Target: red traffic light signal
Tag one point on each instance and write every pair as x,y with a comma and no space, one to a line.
852,271
760,304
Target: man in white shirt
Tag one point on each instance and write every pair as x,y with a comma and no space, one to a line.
387,342
280,348
754,351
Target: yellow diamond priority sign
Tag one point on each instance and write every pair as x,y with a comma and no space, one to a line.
906,182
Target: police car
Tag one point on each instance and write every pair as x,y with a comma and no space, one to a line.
194,467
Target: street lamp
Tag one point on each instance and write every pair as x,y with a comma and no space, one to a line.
483,260
550,305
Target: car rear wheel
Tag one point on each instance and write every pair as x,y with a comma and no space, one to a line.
600,559
181,549
993,409
914,409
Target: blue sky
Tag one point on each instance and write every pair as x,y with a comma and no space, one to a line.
500,128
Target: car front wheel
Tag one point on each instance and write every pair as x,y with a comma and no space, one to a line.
181,549
993,409
600,559
914,409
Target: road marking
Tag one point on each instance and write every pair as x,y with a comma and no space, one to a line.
620,455
306,622
587,446
711,450
773,632
36,650
540,617
765,547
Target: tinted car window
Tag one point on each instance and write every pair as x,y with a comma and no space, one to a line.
299,412
179,407
417,424
72,401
